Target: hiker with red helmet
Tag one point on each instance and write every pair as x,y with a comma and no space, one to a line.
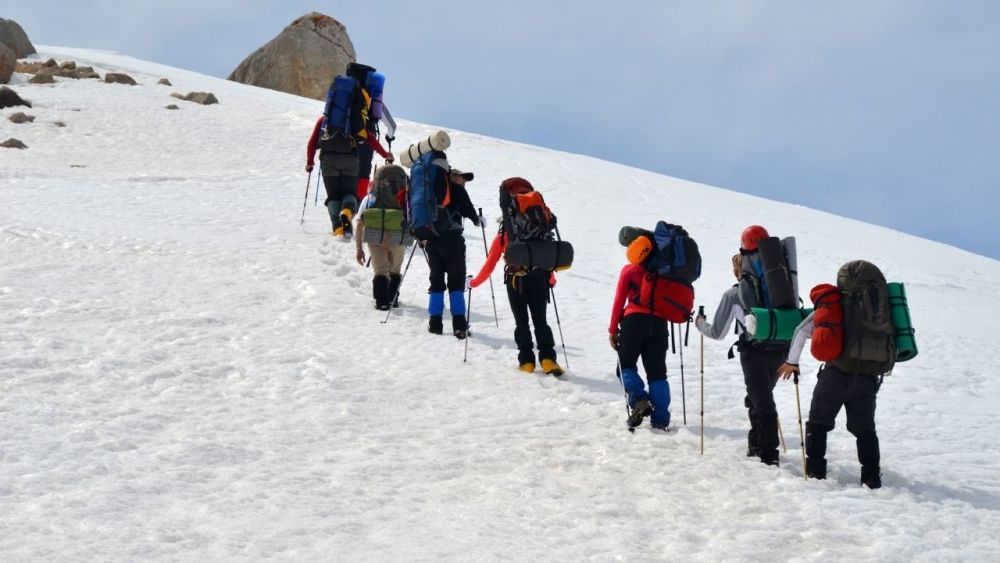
527,288
760,361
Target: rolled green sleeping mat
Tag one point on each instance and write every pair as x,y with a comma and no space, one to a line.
628,234
906,341
774,324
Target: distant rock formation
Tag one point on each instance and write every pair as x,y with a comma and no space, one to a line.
203,98
9,98
68,69
13,36
13,143
8,61
302,59
118,78
21,117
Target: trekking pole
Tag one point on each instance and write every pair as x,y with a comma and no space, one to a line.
683,394
701,312
673,343
687,332
468,315
802,438
401,278
318,176
555,306
621,381
781,434
482,225
302,221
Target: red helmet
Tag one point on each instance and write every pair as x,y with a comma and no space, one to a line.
751,236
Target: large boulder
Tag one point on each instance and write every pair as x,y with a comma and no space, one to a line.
302,59
8,61
13,36
9,98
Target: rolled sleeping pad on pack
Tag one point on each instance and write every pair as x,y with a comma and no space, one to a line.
628,234
788,243
439,141
774,324
906,340
541,254
776,275
375,84
386,236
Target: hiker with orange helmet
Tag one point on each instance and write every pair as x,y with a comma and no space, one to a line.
637,331
760,361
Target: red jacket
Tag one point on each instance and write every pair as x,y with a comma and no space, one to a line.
314,140
629,284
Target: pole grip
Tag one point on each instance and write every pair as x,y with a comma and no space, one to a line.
701,310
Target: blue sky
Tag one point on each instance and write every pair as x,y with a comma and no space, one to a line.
888,111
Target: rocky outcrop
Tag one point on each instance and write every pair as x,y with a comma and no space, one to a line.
164,82
68,69
8,62
13,143
173,106
203,98
43,77
9,98
119,78
302,59
21,117
13,36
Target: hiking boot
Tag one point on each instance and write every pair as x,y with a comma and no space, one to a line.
527,367
660,426
641,410
816,468
393,291
770,461
345,222
338,232
871,478
435,326
459,326
551,367
753,451
380,291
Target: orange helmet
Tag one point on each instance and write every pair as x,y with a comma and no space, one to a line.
638,250
751,236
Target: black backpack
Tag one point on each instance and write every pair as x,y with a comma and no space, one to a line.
869,337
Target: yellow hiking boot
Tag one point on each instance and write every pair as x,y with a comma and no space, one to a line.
551,367
338,232
527,367
345,222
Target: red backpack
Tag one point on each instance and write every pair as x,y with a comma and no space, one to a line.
828,320
666,298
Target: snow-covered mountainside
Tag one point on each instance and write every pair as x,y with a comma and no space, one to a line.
186,373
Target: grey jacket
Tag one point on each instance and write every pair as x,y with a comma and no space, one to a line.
730,308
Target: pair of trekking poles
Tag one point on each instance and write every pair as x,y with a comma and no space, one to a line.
798,404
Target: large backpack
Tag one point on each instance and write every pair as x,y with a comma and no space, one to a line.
526,217
869,336
384,219
672,264
675,254
768,280
422,204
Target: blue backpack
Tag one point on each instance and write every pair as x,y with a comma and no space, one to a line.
421,201
676,254
339,105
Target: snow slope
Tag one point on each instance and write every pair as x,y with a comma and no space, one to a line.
186,373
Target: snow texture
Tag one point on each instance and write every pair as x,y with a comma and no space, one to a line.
188,374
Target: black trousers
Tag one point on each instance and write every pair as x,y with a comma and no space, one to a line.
856,393
645,336
446,258
760,373
530,294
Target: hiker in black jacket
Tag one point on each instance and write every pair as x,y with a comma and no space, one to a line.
446,253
